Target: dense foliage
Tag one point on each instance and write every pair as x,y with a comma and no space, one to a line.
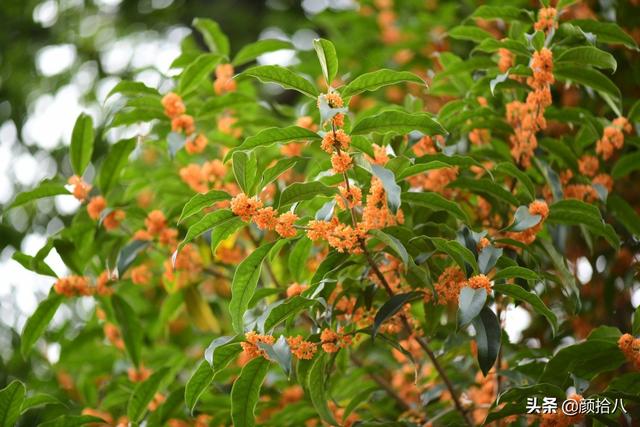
344,252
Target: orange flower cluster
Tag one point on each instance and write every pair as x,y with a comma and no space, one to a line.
480,136
352,196
302,349
141,275
380,155
333,341
112,333
560,419
334,101
174,109
187,269
528,236
341,162
546,19
376,213
630,347
80,188
296,289
205,177
506,60
335,140
613,137
451,282
389,32
250,208
435,180
196,145
426,145
158,399
528,118
588,165
72,286
139,375
224,82
250,346
156,227
111,221
226,125
342,237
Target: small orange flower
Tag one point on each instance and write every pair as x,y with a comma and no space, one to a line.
196,145
95,207
285,227
353,196
72,286
141,275
250,346
245,207
113,219
155,222
505,60
80,188
341,162
173,105
333,140
296,289
333,341
183,123
302,349
139,375
546,19
224,82
266,218
588,165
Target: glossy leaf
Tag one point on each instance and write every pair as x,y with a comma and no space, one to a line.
328,58
470,304
246,391
488,336
81,147
398,122
143,394
130,327
377,79
282,77
201,201
11,398
521,294
215,39
251,51
38,322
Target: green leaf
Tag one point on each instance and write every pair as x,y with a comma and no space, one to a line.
506,13
128,255
607,32
37,400
515,271
197,72
624,213
81,144
130,328
46,188
298,257
521,294
272,173
421,168
11,398
243,286
251,51
391,189
523,220
360,397
393,243
38,322
587,77
143,394
299,191
436,202
33,264
72,421
624,166
587,55
474,34
282,77
113,163
197,384
520,176
459,253
328,58
222,231
282,312
200,201
470,304
222,355
470,65
486,187
575,212
207,222
129,88
279,352
488,338
391,307
214,38
246,392
245,168
317,392
270,136
377,79
398,122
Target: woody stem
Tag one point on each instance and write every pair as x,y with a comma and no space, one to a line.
384,384
420,340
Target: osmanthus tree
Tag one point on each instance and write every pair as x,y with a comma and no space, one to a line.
347,259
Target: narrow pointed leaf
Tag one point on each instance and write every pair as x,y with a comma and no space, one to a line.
246,392
81,147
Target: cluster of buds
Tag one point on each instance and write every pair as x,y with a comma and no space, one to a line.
528,236
266,218
506,59
80,189
527,118
452,281
75,286
112,220
156,228
250,345
202,178
175,109
302,349
546,19
332,341
224,82
613,137
630,347
196,144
